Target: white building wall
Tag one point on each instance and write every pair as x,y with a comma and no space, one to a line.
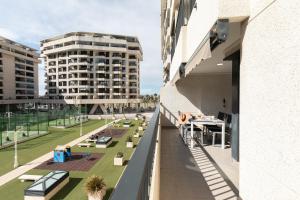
198,94
269,102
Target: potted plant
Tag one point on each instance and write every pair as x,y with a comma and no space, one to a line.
129,142
136,135
95,188
118,159
141,128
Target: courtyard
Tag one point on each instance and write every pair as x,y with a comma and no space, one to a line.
97,161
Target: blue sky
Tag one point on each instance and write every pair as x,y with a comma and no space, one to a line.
31,21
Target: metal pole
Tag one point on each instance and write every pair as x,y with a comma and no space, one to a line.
16,163
80,120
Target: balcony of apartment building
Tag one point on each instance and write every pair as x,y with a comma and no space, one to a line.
61,70
101,76
84,76
19,73
62,76
118,91
132,77
117,56
132,84
118,84
85,68
117,77
51,71
102,61
132,71
73,68
117,70
102,55
132,57
103,91
102,84
117,62
102,70
132,64
20,67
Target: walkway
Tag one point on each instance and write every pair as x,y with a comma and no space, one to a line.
189,174
26,167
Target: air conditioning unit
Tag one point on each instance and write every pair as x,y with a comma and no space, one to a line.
182,69
219,33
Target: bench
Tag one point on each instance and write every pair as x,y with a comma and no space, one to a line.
84,144
27,177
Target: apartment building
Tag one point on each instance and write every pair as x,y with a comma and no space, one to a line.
18,71
236,57
82,65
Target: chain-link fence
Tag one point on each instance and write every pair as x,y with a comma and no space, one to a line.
33,123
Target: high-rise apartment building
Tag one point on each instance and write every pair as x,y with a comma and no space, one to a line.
18,71
92,66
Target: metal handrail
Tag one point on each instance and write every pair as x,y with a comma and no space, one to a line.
136,180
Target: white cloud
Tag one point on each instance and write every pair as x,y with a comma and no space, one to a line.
4,32
30,21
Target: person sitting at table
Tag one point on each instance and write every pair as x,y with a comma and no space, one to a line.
184,120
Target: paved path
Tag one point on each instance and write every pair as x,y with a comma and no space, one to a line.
30,165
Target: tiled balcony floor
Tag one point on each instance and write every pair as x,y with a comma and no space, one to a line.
189,174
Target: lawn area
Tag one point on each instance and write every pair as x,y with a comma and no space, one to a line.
34,148
75,188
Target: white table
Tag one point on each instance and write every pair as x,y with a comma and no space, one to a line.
199,122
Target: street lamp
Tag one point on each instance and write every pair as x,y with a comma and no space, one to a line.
80,119
16,163
79,114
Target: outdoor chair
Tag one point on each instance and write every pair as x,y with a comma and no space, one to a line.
221,116
186,133
217,130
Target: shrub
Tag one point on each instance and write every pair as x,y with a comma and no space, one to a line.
129,139
119,155
94,184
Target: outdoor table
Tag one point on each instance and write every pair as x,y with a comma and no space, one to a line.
207,121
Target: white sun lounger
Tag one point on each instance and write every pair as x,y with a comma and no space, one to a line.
27,177
84,144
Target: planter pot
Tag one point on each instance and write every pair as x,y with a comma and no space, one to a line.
118,161
137,135
97,196
140,128
129,144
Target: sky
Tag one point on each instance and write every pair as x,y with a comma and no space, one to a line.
30,21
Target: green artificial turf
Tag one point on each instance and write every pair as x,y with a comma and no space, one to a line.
34,148
75,188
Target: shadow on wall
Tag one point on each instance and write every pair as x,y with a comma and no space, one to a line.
207,92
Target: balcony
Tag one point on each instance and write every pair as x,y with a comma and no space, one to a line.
117,79
163,162
117,65
117,71
101,63
78,56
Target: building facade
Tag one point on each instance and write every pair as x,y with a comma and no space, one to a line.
237,57
92,66
18,71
